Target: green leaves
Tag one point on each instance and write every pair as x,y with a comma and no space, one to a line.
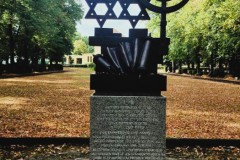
80,44
80,47
50,25
203,27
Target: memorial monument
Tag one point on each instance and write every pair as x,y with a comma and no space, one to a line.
128,113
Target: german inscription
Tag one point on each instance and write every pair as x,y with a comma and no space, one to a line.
127,128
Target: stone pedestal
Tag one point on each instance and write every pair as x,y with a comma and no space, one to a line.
128,128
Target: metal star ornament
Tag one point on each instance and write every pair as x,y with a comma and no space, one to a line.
133,19
110,14
91,14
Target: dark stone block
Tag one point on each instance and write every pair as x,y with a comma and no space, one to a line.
138,33
103,32
104,84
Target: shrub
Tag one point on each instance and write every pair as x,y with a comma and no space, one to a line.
1,70
92,66
217,72
77,65
192,71
55,67
39,68
184,70
19,68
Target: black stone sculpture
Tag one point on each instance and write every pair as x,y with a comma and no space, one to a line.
125,59
128,65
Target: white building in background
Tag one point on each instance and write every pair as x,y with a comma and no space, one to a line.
85,58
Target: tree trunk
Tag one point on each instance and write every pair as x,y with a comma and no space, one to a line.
188,65
232,64
220,63
7,60
180,67
25,54
26,41
43,55
192,65
211,63
198,65
173,67
11,42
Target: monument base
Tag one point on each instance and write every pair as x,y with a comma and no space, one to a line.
127,128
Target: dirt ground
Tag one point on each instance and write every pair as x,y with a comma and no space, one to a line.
57,105
202,109
76,152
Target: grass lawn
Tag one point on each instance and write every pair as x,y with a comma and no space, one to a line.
57,105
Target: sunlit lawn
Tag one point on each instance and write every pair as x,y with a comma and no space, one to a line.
202,109
57,105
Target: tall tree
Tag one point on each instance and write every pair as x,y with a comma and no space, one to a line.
205,32
34,29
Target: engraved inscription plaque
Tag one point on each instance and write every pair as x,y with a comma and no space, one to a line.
127,128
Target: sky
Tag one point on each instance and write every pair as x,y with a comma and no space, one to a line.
86,26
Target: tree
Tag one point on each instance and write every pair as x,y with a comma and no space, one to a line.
204,32
80,47
33,30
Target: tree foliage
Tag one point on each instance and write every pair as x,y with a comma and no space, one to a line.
206,33
80,45
37,29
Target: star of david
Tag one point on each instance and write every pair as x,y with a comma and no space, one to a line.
124,15
143,15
